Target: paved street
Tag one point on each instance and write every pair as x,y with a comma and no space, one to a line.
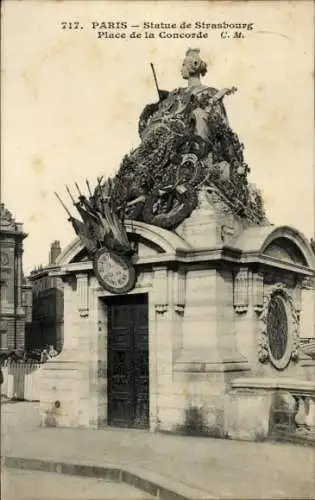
222,468
29,485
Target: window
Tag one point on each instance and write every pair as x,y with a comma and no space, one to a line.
3,291
278,331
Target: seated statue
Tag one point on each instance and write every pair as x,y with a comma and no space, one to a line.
186,141
186,120
189,104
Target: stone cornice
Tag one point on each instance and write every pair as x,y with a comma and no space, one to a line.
271,384
13,233
269,261
224,254
42,272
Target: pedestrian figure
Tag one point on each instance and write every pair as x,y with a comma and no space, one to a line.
44,356
52,351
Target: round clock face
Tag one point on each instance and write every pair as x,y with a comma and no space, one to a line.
113,272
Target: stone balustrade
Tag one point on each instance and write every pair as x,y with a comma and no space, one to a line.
308,347
279,407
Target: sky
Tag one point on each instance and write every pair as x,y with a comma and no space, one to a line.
70,101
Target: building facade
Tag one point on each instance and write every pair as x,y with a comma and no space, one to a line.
46,327
15,292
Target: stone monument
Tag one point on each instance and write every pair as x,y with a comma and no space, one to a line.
177,284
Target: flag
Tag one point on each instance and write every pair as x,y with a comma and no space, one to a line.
84,234
92,222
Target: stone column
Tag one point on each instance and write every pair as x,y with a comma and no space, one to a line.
18,277
167,410
246,311
178,306
88,336
19,310
92,354
98,335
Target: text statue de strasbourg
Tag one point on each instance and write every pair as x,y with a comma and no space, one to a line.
186,143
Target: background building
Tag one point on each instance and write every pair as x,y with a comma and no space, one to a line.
46,327
15,292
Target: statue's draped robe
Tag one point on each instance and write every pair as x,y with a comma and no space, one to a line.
188,105
180,124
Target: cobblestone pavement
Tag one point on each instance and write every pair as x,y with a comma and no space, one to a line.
30,485
223,468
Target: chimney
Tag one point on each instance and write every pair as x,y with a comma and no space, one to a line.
55,251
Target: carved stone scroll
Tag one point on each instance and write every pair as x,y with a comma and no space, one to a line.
83,294
298,299
161,298
241,291
258,292
180,291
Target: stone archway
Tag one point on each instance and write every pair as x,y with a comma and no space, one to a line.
154,239
264,240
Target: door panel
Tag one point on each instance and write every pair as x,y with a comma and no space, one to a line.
128,361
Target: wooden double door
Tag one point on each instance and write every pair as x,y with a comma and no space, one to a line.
128,361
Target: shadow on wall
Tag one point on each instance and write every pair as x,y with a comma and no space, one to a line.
196,423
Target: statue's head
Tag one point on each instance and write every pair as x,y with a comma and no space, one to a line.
193,65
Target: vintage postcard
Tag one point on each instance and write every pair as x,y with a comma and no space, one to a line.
157,233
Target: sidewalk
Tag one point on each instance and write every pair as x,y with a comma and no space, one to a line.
222,468
20,484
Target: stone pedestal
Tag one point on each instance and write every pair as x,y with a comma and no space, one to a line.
256,408
207,288
247,414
